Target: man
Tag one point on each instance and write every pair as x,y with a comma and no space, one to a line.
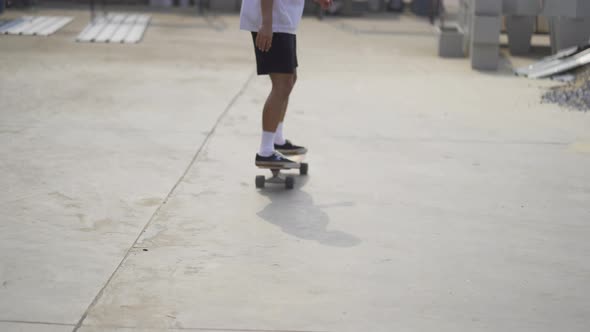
273,24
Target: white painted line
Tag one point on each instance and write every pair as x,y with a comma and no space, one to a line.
114,21
58,24
45,24
90,26
37,24
124,28
92,29
5,27
25,23
138,29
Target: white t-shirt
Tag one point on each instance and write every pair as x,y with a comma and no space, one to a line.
286,15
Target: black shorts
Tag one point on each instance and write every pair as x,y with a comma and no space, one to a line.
282,56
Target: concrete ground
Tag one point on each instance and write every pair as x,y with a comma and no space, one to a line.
439,198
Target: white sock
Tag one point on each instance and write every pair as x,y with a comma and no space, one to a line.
267,147
279,138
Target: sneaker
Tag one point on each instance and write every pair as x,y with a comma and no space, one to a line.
290,149
275,160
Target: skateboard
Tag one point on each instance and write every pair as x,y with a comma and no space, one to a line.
280,178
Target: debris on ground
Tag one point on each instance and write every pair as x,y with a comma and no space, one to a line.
562,62
573,95
565,78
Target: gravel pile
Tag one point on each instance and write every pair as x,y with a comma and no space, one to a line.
575,95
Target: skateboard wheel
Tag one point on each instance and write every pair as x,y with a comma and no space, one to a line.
303,168
289,182
260,181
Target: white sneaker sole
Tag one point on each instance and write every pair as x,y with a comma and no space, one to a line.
293,152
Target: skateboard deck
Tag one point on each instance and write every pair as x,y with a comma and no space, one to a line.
283,179
298,158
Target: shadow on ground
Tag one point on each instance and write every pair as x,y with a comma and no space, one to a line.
295,212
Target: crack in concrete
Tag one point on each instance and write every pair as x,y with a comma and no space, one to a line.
153,217
216,329
33,322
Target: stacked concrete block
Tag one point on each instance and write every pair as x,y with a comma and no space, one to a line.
485,34
542,25
159,3
520,31
567,8
224,5
520,23
487,7
522,7
568,32
569,22
450,41
354,7
376,5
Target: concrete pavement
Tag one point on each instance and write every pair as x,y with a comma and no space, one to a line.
439,199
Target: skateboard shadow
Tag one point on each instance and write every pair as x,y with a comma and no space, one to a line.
295,212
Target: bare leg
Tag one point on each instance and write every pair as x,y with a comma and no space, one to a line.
276,103
284,112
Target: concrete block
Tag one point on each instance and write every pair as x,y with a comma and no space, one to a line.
450,41
160,3
520,31
542,24
354,7
568,32
522,7
487,7
485,56
376,5
224,5
486,29
567,8
424,8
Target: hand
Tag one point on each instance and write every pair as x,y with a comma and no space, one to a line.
325,4
264,38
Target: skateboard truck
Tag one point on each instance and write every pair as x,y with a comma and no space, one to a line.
279,178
